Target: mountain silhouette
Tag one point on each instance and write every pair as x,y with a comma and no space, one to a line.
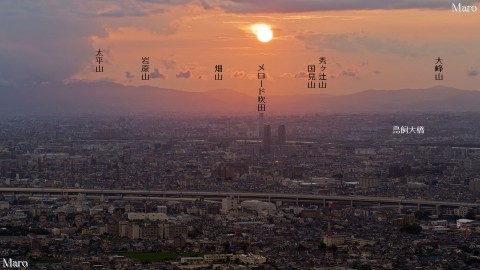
112,98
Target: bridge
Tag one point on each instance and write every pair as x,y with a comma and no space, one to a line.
217,196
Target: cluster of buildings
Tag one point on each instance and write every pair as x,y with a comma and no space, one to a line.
58,233
349,155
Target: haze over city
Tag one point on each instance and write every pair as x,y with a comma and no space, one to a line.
239,135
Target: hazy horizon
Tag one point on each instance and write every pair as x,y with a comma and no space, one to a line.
110,98
368,45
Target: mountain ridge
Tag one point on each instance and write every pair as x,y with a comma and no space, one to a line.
113,98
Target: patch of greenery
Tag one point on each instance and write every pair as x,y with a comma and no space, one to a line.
150,256
22,231
109,238
191,254
46,260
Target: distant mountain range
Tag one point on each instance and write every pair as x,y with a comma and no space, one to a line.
111,98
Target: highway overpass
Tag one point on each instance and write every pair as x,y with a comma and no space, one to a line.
216,196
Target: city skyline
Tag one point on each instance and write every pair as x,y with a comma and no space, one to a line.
240,134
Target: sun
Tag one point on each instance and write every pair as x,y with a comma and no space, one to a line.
262,31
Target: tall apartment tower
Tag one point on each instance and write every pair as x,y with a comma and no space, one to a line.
282,136
267,138
260,125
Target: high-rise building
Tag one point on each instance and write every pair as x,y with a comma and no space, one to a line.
267,138
229,203
260,125
474,186
282,136
369,182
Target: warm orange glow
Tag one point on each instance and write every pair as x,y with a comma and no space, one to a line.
263,32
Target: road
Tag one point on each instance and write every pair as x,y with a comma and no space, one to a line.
241,195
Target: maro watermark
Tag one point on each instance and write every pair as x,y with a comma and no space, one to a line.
459,7
10,263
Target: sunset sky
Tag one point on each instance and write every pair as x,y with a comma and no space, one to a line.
369,44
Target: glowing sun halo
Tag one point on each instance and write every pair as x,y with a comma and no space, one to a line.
263,32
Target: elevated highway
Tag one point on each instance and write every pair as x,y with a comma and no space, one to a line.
216,196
